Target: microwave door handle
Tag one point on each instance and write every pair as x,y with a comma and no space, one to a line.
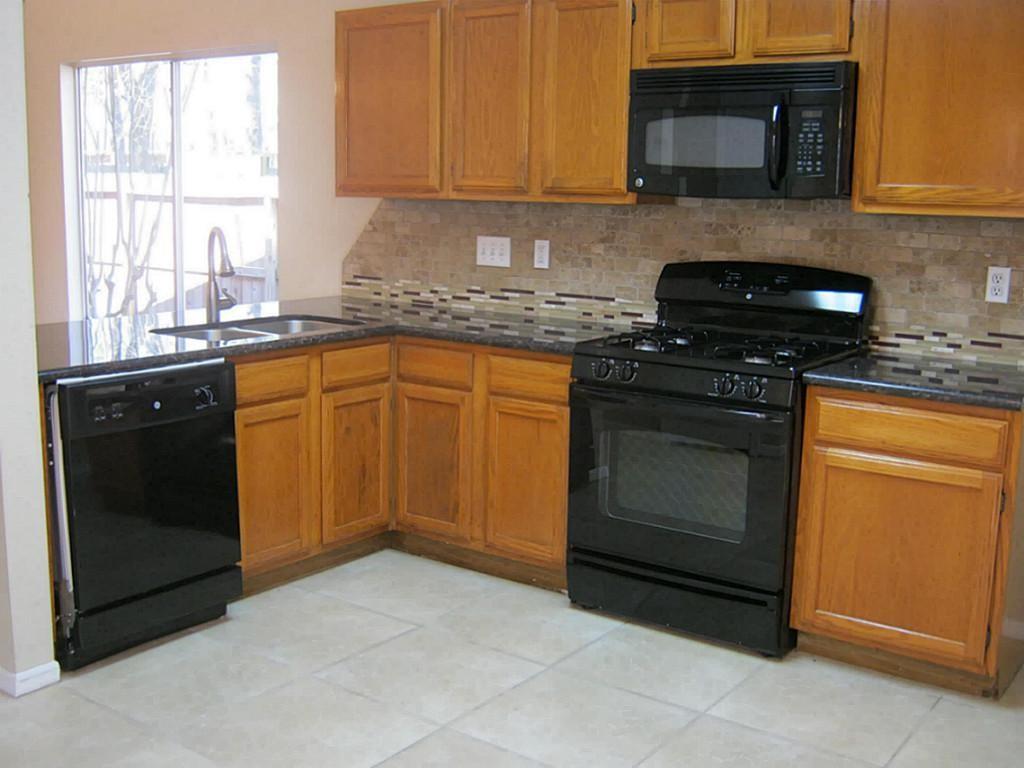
775,145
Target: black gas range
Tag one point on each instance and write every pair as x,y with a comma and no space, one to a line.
685,447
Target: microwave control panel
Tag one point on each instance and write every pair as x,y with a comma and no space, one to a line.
810,144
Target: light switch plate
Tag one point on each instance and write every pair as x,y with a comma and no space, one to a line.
493,251
541,254
997,286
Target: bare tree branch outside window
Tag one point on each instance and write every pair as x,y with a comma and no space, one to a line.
227,130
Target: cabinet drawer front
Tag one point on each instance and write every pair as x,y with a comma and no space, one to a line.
435,365
917,431
271,379
532,379
356,365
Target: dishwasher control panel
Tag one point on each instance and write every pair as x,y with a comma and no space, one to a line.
127,401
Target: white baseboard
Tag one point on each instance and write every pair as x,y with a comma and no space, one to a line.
1014,629
19,683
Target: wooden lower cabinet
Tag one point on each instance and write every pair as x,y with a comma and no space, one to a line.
903,552
276,481
433,444
453,442
899,551
527,478
356,460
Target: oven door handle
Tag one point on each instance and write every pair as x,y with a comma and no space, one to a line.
775,142
593,394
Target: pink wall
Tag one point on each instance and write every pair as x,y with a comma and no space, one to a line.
315,228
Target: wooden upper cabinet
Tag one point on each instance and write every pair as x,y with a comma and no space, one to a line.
690,29
388,82
940,124
582,55
897,554
356,441
489,89
783,27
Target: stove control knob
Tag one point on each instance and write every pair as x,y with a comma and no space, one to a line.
627,372
602,369
726,385
753,389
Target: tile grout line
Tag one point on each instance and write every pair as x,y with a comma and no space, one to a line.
445,728
917,727
793,741
664,742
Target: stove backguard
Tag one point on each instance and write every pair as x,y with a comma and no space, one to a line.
766,298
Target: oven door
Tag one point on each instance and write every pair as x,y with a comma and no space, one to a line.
698,488
709,144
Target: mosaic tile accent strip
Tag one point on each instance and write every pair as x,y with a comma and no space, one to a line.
555,304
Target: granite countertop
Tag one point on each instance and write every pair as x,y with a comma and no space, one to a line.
109,345
946,380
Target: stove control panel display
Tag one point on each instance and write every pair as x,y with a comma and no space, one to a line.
734,385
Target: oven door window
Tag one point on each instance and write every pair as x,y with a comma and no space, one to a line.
706,141
677,482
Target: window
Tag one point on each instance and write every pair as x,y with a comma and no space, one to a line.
169,150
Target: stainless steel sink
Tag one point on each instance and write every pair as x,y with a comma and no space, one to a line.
290,326
212,334
258,328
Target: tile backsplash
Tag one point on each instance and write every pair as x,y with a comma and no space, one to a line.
929,272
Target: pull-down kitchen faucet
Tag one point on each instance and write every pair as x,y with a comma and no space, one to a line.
217,299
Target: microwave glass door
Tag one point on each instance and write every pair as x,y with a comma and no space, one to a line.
727,145
705,141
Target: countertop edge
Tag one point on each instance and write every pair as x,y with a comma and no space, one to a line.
1007,402
553,347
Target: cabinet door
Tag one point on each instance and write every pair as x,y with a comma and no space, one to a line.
780,27
490,95
527,478
356,426
582,79
897,554
388,75
940,123
275,482
433,465
690,29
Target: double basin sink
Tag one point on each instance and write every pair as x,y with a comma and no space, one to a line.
258,328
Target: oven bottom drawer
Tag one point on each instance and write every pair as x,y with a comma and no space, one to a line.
728,614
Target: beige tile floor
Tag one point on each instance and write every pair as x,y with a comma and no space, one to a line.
400,662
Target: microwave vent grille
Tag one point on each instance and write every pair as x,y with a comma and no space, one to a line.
738,78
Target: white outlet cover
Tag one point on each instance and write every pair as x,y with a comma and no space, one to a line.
493,251
541,254
997,286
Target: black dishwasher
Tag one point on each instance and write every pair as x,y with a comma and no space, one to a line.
145,505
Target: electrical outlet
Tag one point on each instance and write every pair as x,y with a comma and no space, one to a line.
541,254
997,287
493,251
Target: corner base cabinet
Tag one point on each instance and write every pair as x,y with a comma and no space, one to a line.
904,525
459,443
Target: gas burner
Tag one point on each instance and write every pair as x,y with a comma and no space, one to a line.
662,338
768,350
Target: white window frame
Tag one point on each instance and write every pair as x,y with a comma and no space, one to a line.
79,289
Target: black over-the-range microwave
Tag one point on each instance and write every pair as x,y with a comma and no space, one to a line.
773,130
